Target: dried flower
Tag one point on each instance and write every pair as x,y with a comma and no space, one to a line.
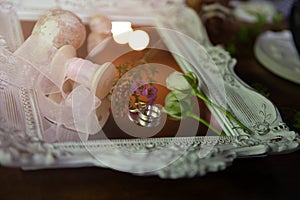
140,88
152,95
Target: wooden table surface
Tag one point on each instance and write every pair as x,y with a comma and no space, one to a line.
271,177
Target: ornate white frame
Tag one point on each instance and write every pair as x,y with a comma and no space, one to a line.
21,144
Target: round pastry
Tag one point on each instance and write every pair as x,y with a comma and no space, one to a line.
61,27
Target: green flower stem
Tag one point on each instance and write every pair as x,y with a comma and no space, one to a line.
192,115
226,112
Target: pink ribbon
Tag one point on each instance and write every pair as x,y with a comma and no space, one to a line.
70,90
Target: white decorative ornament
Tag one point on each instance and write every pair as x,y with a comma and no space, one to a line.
277,52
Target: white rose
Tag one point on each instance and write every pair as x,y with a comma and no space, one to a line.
179,85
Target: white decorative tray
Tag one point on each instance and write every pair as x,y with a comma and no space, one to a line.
21,132
277,52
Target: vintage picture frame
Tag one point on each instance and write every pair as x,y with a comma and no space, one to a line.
21,140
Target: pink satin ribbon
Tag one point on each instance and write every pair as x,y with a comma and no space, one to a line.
66,89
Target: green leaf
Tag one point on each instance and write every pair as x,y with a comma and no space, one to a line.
278,17
191,79
175,107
